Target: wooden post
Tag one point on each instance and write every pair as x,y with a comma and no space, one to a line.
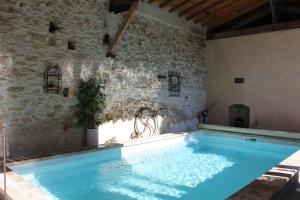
123,27
274,11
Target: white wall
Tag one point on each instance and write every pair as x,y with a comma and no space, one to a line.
163,14
270,64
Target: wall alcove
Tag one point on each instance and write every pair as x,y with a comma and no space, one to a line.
239,115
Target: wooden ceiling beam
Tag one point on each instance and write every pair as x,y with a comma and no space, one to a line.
165,3
151,1
231,15
252,18
192,7
243,20
255,30
290,9
204,10
182,3
123,27
216,9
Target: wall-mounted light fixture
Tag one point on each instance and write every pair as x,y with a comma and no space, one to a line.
52,79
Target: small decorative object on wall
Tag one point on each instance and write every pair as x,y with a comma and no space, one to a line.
239,80
174,84
52,79
161,77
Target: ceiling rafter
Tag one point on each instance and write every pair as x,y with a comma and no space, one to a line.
204,10
256,4
182,3
165,3
215,9
251,18
290,9
230,15
255,30
192,7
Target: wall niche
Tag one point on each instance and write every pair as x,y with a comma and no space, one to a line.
52,80
52,27
71,44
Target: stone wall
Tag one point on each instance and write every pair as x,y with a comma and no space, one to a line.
39,123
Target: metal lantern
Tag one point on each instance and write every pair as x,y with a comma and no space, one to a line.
52,80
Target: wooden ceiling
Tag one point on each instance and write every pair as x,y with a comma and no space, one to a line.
210,13
228,18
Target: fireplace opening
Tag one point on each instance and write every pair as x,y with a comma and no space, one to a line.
239,122
239,116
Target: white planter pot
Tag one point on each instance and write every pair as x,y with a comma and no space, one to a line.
92,137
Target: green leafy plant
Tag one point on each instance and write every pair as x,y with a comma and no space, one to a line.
91,103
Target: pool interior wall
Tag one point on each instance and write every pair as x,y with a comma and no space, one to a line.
201,165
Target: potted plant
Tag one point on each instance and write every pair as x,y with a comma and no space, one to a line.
91,105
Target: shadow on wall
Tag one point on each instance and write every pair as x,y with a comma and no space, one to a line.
131,88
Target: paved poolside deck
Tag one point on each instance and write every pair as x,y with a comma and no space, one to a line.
278,183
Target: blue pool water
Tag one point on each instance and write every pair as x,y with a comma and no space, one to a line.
200,166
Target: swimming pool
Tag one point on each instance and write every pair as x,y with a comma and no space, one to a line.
202,165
